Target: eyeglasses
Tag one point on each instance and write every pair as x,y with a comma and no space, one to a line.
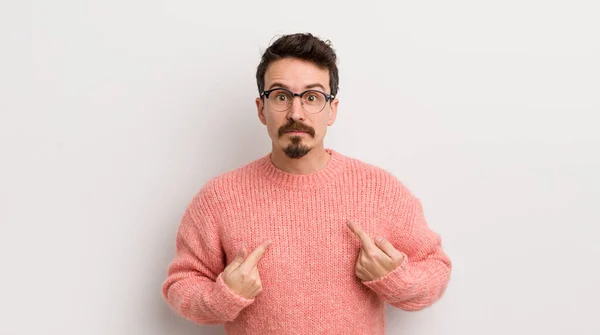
281,99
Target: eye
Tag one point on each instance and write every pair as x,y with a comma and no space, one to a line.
312,97
281,97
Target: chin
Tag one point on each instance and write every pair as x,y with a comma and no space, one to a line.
295,148
296,152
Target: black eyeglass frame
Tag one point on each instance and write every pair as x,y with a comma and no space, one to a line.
328,97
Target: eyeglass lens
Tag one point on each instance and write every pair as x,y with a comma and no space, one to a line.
312,101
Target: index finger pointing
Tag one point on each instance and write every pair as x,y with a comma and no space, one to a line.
365,239
252,259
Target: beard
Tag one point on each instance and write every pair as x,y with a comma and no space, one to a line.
296,149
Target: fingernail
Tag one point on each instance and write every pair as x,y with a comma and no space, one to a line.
379,239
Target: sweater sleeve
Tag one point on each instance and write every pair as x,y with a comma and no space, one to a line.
194,287
424,274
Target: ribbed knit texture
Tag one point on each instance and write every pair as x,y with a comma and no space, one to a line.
308,272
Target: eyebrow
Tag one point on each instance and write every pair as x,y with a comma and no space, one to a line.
276,84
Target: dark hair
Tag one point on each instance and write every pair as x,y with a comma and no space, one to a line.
302,46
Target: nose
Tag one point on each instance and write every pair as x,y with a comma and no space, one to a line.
296,111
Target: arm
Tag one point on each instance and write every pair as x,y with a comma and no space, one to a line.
194,286
423,275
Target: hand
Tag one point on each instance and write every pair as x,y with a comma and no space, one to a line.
375,259
241,275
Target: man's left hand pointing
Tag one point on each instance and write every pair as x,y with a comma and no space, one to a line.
376,259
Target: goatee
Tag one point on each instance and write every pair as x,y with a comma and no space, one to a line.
296,149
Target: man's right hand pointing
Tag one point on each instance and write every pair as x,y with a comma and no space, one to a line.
241,275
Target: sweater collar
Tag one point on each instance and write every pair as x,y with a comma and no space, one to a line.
315,179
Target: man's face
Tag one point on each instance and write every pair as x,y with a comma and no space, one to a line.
297,76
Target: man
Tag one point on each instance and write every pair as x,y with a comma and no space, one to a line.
303,240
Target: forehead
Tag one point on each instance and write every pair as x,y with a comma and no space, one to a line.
296,74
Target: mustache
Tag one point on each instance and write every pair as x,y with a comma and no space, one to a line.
295,126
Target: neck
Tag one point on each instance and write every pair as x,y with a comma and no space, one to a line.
315,160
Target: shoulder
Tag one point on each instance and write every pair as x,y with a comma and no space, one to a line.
221,188
379,179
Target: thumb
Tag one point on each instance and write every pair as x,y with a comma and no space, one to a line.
241,255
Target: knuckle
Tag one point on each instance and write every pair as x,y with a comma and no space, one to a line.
244,275
226,277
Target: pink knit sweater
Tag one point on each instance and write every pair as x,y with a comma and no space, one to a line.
308,272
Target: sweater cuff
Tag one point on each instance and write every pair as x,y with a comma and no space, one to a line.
226,302
395,285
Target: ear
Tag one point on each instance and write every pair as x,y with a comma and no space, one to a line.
333,113
260,108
